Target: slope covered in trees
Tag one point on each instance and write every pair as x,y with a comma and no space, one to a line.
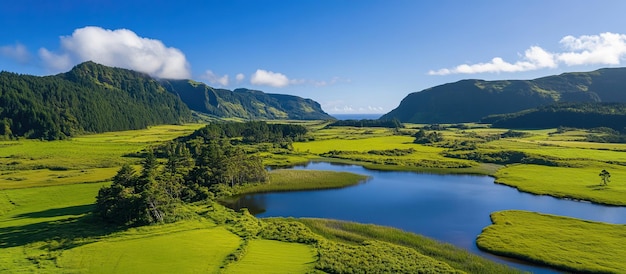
470,100
576,115
89,98
244,103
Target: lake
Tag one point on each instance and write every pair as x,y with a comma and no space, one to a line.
449,208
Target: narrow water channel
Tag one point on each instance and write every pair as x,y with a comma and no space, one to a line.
449,208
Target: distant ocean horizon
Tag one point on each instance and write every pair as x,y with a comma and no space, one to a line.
355,116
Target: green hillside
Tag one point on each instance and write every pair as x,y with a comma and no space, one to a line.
88,98
575,115
470,100
244,103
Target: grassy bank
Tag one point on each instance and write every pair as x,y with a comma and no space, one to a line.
355,233
566,243
296,180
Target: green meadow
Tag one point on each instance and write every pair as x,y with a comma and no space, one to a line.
48,189
569,244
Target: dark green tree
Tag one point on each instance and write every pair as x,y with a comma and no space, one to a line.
606,176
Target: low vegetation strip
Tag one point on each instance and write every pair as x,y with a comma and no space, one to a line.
566,243
354,233
293,180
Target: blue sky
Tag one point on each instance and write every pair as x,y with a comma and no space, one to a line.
351,56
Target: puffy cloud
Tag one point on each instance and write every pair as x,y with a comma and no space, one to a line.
17,52
603,49
214,79
118,48
269,78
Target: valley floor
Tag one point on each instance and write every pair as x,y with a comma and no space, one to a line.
47,191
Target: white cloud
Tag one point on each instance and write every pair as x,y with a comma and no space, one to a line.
269,78
119,48
603,49
214,79
239,77
17,52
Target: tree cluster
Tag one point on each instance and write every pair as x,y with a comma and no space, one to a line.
197,167
421,137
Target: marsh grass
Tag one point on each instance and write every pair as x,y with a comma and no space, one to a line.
355,233
566,243
295,180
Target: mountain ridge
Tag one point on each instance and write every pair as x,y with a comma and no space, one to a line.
92,98
471,99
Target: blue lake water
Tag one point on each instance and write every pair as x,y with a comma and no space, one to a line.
449,208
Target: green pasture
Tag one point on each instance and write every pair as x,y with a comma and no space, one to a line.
88,158
199,250
268,256
564,182
566,243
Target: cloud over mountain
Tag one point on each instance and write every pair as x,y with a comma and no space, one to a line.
603,49
269,78
118,48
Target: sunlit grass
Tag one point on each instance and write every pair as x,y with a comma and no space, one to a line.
89,158
567,243
577,183
267,256
199,250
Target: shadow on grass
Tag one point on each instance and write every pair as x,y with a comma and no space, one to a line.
598,187
56,212
70,232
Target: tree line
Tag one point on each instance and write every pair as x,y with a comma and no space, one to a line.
386,123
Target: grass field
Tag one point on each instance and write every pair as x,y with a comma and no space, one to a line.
89,158
47,191
581,183
268,256
199,250
569,244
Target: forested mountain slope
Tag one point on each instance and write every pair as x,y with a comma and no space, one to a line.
96,98
244,103
470,100
576,115
88,98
